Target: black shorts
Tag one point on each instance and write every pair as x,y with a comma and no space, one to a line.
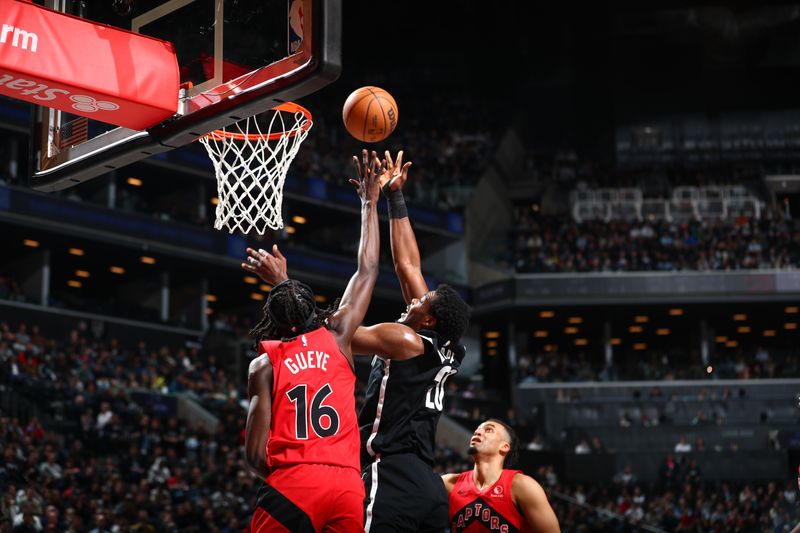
403,494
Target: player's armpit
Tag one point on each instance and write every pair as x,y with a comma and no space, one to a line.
532,501
259,415
389,340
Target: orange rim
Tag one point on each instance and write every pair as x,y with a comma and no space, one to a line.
287,107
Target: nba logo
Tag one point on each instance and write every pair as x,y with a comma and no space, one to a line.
295,25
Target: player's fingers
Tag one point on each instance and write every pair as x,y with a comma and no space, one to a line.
388,158
249,268
354,183
399,161
404,173
277,252
357,165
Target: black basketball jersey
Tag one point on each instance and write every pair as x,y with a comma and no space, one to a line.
405,399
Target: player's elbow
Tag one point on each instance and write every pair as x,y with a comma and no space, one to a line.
406,268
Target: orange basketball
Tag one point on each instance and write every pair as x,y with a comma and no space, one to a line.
370,114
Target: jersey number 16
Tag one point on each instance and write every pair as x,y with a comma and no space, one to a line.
297,396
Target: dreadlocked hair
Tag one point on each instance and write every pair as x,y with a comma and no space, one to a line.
513,452
288,312
451,313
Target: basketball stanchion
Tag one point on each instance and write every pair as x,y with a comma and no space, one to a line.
251,159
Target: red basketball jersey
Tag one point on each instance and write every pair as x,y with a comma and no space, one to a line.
491,509
313,403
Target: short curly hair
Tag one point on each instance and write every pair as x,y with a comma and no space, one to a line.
451,313
513,452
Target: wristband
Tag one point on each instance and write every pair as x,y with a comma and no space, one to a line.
397,202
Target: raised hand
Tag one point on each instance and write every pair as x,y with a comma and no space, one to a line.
369,171
270,267
396,173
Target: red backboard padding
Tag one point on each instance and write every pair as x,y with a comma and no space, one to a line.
93,70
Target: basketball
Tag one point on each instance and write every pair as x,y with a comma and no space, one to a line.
370,114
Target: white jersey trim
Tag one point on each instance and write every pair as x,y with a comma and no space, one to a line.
381,396
373,490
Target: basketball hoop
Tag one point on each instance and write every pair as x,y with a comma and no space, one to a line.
251,161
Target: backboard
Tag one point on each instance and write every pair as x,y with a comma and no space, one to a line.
237,58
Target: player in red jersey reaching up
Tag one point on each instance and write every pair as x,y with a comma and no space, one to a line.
492,498
302,434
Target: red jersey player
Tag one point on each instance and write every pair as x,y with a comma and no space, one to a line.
302,434
491,498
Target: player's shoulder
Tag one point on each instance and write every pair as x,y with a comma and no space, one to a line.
453,350
524,485
260,364
451,479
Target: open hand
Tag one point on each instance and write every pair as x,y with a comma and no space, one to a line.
270,267
369,171
395,173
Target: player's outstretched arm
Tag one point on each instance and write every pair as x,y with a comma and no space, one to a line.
389,340
259,415
405,252
355,300
532,501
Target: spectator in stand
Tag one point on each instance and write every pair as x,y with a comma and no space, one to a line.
683,446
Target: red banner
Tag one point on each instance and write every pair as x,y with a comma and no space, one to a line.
93,70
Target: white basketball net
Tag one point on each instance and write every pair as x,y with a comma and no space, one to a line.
251,167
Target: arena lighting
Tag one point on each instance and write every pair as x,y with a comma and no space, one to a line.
319,298
550,347
214,200
581,342
291,230
791,310
82,273
640,346
147,260
75,283
209,311
642,319
676,312
540,334
491,344
250,280
769,332
211,297
731,344
134,182
635,329
297,219
575,320
76,251
30,243
492,334
721,338
570,330
116,269
546,314
740,317
662,331
616,341
743,329
492,352
709,369
790,325
256,296
264,287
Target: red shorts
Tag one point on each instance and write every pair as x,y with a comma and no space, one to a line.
311,498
